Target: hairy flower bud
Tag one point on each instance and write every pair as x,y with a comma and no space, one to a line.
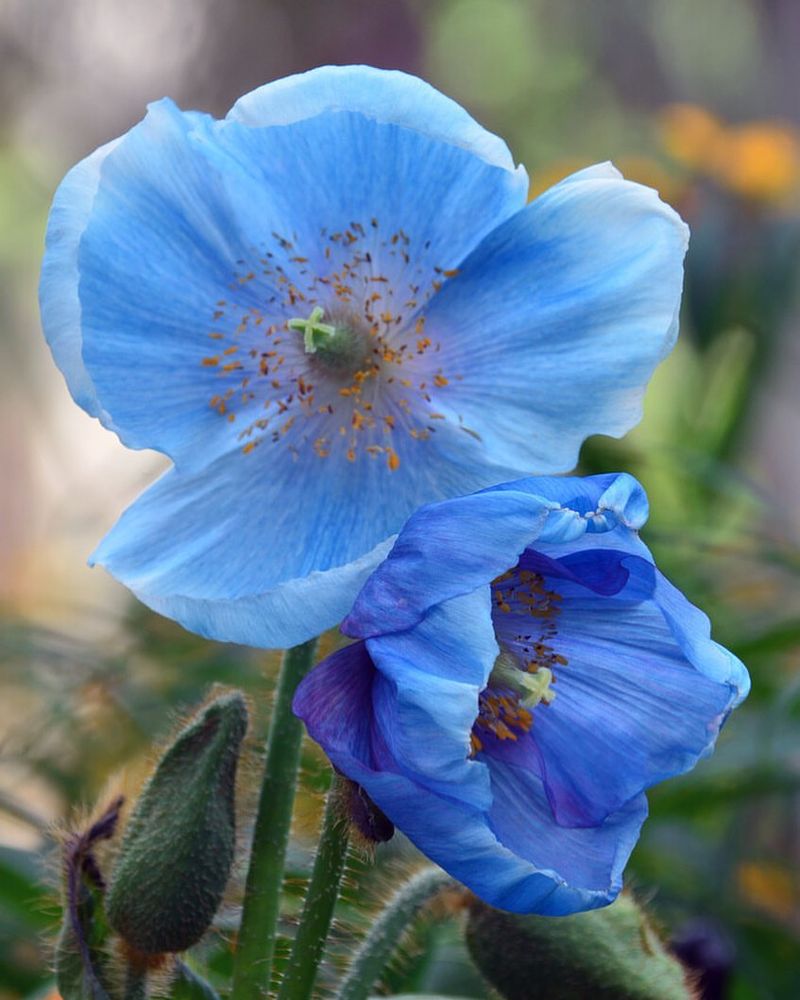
607,954
178,848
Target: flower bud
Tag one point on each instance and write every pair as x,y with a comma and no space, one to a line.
178,848
608,954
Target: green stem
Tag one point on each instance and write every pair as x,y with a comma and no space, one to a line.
376,949
323,891
256,942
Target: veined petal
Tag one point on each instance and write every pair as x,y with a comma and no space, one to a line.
581,288
387,96
58,290
426,694
634,705
573,869
589,861
156,254
452,547
445,550
237,562
411,202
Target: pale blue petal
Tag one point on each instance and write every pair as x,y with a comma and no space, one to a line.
58,289
557,321
387,96
176,252
157,253
414,203
222,552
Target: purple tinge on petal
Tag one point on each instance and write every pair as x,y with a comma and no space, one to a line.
600,570
335,702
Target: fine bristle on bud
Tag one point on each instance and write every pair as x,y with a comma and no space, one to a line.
178,848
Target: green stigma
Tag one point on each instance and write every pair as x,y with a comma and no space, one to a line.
334,345
532,687
315,333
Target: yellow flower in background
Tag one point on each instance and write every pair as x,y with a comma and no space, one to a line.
770,887
763,161
691,135
759,160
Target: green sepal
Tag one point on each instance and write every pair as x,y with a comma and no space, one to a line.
608,954
178,848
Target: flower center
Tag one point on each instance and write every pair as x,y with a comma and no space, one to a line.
329,352
524,614
337,347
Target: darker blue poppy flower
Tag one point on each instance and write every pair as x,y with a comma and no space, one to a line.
328,308
522,674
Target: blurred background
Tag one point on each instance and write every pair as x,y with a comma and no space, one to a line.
701,101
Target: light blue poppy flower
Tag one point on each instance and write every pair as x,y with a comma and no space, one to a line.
328,308
523,673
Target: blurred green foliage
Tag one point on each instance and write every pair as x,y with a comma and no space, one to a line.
567,84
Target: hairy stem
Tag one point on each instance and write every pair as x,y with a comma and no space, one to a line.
256,942
377,947
323,891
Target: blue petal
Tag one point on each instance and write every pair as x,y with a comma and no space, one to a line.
224,552
58,291
634,704
602,502
423,204
426,694
582,288
452,547
692,630
590,860
387,96
336,702
445,550
157,253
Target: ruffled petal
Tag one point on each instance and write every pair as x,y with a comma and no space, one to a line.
445,550
450,548
387,96
582,289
